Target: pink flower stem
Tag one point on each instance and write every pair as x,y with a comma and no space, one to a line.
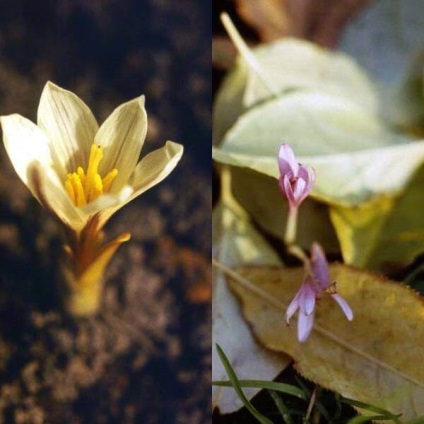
291,226
301,255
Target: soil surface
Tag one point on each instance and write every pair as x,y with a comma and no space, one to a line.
146,357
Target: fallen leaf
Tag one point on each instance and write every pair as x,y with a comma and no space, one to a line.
236,242
374,358
355,156
289,65
357,159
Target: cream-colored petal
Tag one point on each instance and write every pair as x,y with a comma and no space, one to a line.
50,192
25,143
151,170
155,167
70,126
122,137
108,201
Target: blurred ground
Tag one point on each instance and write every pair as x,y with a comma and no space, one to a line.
146,357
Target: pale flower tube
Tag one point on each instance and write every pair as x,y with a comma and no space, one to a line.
84,173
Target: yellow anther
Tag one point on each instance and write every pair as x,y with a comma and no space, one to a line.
96,155
80,198
85,187
81,174
107,180
95,188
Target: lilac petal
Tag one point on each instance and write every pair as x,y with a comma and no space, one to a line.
288,191
287,161
320,266
304,326
299,190
293,307
303,172
344,305
307,298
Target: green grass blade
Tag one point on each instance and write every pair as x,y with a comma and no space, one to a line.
234,380
371,408
282,408
287,389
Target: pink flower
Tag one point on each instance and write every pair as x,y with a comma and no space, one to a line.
296,180
312,288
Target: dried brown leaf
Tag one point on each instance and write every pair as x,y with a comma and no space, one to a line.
375,358
322,21
270,18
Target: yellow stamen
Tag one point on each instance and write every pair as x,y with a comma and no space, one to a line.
85,187
80,199
107,180
81,174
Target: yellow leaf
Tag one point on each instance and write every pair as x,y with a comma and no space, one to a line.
386,233
359,228
375,358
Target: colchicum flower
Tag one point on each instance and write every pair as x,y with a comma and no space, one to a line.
316,283
84,173
296,180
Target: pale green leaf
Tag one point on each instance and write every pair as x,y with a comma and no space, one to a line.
293,64
357,162
356,158
289,64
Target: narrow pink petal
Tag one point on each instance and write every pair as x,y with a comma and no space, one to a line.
320,266
304,326
293,307
303,172
287,161
309,175
299,190
344,305
288,191
282,186
307,298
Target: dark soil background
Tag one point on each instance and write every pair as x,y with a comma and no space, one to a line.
146,357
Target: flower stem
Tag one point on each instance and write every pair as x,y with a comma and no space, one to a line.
298,252
83,300
83,272
291,226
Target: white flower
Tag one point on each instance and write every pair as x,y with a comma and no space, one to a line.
80,171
